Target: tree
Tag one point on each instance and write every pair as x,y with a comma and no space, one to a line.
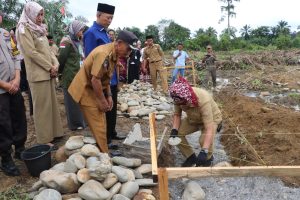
283,28
199,32
139,34
230,32
210,31
82,19
173,34
245,32
11,10
228,8
153,30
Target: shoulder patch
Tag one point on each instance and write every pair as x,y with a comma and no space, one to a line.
62,45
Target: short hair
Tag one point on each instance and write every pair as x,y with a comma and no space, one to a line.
13,29
180,43
109,30
149,37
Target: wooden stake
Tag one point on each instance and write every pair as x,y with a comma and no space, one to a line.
153,145
163,184
197,172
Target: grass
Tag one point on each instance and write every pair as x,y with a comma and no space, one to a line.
14,193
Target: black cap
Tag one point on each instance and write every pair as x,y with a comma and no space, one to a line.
49,37
109,9
149,37
128,37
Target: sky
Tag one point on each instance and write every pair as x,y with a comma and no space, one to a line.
192,14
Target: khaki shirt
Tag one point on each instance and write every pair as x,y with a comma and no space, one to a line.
206,112
100,63
153,53
8,63
37,55
54,49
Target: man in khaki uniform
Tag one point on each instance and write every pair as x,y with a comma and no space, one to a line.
202,113
91,86
154,55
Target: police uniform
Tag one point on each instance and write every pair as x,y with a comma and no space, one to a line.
154,54
207,112
13,127
100,63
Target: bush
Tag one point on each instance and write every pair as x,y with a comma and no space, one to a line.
283,42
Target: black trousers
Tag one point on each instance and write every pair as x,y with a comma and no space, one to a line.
13,126
111,116
133,73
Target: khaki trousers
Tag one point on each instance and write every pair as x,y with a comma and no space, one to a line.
46,116
97,123
187,128
155,68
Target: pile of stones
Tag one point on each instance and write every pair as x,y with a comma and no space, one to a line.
83,172
138,99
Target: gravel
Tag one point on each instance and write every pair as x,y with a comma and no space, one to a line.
233,188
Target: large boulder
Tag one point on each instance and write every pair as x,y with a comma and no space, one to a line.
74,142
127,162
48,194
193,191
93,190
60,181
129,189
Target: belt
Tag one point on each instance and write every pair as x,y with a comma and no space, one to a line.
155,61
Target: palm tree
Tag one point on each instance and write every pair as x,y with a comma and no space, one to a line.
210,31
229,10
283,28
246,31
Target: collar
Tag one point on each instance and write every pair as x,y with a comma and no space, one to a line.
98,26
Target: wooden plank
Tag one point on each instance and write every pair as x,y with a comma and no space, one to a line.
163,184
152,125
197,172
194,73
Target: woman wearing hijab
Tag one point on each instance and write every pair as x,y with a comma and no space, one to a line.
202,113
70,57
41,70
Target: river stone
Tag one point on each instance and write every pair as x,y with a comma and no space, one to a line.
285,89
93,190
127,162
121,173
129,189
89,140
110,180
137,174
133,103
144,168
100,171
193,191
90,150
74,142
36,186
74,196
60,155
223,164
134,113
70,166
48,194
71,152
144,195
59,167
148,191
144,112
115,189
83,175
265,94
131,176
145,182
163,106
123,107
42,188
160,117
60,181
92,161
119,197
130,109
78,160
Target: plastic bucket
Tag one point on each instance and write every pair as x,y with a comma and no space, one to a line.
37,159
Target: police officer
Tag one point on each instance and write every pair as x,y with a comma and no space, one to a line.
91,86
154,55
13,127
202,113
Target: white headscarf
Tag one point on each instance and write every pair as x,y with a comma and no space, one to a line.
75,27
28,18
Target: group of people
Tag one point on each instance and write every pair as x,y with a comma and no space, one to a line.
90,62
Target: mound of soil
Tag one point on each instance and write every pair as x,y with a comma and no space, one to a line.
256,133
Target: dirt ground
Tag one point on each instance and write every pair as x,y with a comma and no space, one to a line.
255,132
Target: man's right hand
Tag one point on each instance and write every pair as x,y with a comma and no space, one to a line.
174,133
103,105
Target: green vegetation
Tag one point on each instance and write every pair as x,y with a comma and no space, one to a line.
14,193
257,84
295,96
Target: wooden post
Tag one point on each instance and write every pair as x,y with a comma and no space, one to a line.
152,124
163,184
194,75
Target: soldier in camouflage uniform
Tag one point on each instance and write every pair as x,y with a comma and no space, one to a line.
209,62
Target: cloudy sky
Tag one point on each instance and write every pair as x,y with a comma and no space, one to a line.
193,14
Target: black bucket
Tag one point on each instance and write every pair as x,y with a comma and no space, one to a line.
37,159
